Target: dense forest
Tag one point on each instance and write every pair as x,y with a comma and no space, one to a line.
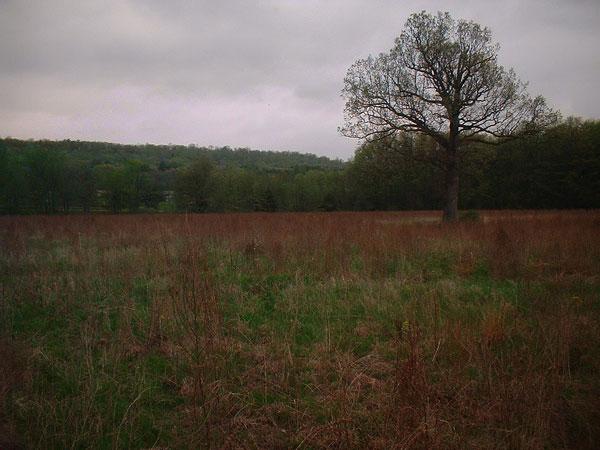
559,168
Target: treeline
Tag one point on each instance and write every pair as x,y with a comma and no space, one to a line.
559,168
72,176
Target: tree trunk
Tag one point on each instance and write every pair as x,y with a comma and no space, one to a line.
451,200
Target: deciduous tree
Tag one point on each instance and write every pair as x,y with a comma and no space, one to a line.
192,185
442,79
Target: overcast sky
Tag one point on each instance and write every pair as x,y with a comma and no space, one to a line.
259,74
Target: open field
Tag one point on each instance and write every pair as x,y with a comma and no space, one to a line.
332,330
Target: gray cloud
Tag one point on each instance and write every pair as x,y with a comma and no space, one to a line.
265,74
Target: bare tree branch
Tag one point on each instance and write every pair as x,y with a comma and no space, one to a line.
441,79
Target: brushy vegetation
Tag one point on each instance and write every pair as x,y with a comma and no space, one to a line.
344,330
557,169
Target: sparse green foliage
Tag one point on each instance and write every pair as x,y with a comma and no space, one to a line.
441,79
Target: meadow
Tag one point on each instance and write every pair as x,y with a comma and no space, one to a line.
300,330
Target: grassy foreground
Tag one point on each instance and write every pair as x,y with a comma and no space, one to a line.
338,330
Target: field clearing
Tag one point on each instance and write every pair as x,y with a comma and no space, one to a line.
300,330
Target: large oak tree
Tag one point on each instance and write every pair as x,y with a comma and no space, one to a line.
442,78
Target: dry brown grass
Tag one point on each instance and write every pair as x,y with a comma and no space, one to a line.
316,330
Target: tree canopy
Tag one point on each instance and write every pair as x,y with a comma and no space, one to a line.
442,79
557,168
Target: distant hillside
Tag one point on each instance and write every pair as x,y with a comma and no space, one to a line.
559,168
163,157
